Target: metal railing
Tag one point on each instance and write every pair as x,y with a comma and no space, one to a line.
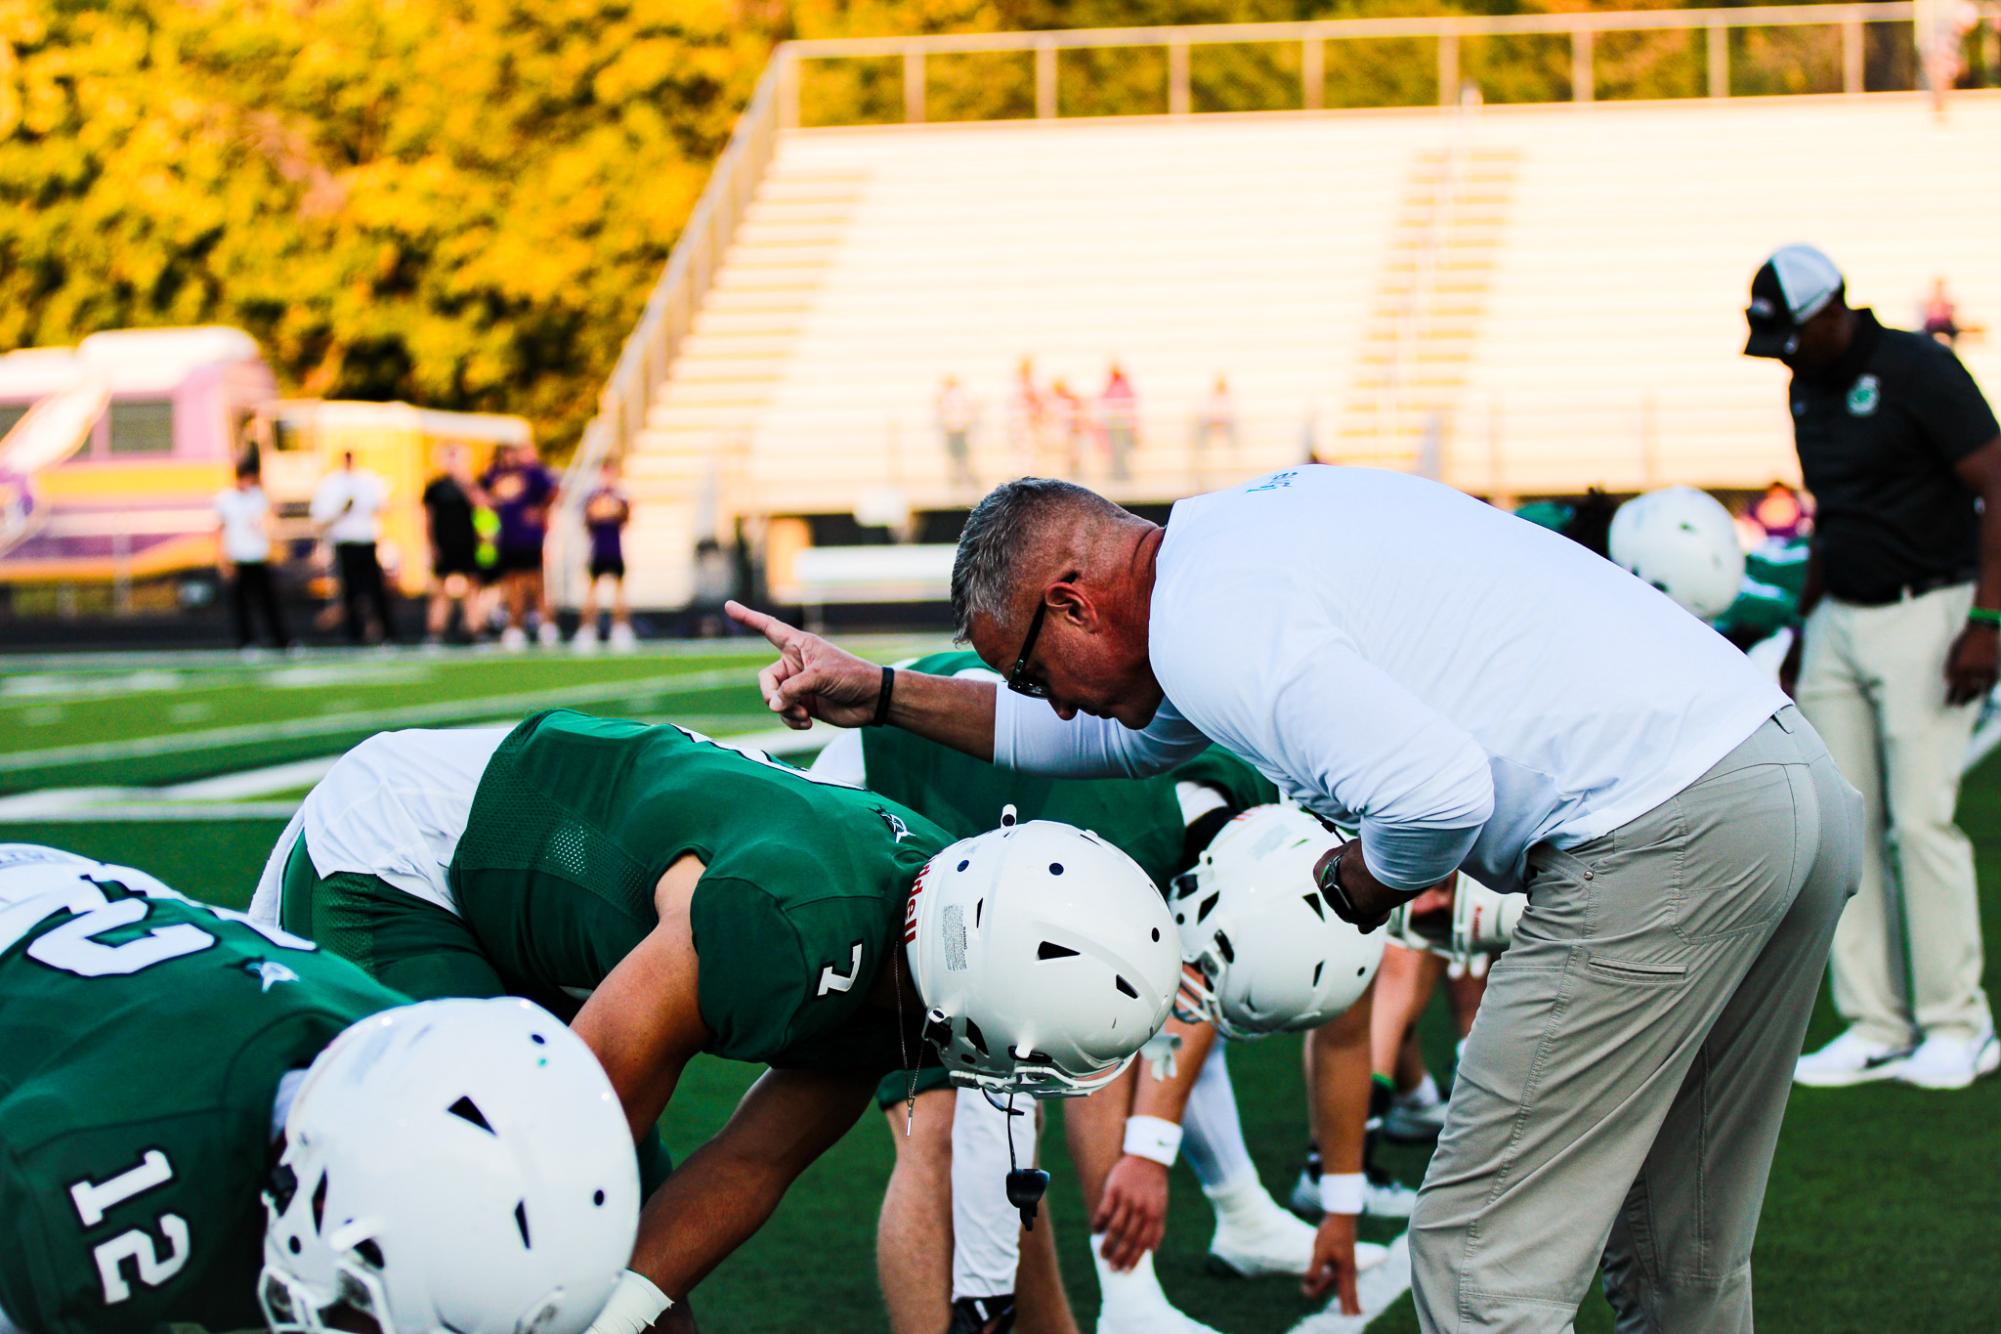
665,320
628,394
1312,36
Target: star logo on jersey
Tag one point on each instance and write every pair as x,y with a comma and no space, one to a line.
269,973
897,829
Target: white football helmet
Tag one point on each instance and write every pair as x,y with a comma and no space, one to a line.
1044,956
455,1165
1271,955
1683,542
1481,921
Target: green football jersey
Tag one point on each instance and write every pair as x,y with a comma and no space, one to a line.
798,910
1141,817
1769,599
142,1040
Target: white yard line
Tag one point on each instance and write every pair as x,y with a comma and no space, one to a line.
409,715
147,814
220,798
899,645
1379,1290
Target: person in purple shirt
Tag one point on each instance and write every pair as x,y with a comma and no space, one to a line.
606,512
523,492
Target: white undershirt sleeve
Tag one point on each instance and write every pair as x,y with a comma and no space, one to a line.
1029,736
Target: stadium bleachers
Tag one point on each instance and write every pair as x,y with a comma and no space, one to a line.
1518,299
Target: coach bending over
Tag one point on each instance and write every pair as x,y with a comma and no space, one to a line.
1685,841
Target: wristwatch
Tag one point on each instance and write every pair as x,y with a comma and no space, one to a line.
1329,882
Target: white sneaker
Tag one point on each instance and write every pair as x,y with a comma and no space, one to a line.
1256,1238
1850,1059
1943,1061
1305,1198
1388,1199
585,640
1158,1316
1414,1120
1133,1303
1381,1198
547,635
514,639
622,638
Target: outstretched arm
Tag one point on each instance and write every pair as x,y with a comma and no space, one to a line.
814,679
721,1196
1339,1114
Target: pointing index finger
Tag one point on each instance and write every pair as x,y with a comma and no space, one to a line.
778,632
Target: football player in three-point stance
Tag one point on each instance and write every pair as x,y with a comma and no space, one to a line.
945,1234
201,1116
677,896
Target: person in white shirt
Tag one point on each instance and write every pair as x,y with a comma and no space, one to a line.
347,507
1472,692
245,515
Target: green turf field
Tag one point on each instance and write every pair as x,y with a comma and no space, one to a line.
1881,1208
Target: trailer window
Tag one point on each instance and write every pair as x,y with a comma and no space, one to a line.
142,427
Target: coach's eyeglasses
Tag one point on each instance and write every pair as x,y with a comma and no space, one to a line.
1018,678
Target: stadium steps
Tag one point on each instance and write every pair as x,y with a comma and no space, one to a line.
1579,317
1431,294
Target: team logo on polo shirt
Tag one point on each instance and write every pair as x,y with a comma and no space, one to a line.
1863,396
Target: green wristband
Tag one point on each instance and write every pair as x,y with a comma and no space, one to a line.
1984,616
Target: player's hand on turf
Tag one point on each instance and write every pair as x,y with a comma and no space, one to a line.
812,678
1132,1213
1333,1266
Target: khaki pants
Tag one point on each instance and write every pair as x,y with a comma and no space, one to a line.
1621,1092
1872,681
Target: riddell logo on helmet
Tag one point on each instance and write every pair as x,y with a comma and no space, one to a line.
910,906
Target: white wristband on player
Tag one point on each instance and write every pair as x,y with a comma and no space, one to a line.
635,1304
1341,1193
1153,1138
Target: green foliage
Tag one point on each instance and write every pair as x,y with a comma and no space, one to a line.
464,203
461,204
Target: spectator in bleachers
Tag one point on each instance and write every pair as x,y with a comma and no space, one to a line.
523,492
1027,418
956,413
347,507
1781,512
1215,424
1118,418
246,555
606,512
1942,314
1069,418
449,499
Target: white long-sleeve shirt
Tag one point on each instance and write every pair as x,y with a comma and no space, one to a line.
1457,682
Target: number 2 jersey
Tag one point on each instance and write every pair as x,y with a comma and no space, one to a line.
798,912
143,1040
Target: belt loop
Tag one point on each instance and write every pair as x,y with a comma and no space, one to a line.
1788,719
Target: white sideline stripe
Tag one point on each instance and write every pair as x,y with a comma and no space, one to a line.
1379,1290
192,801
147,814
889,645
409,715
250,782
1986,737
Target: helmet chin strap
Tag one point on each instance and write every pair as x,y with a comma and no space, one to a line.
1025,1186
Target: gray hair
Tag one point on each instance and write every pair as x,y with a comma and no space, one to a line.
1000,530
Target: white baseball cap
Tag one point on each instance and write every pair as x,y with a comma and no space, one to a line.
1789,289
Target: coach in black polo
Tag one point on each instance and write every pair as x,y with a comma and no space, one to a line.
1902,638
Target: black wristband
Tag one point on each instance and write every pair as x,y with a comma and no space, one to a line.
882,700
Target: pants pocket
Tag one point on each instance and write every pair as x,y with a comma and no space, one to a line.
1742,858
